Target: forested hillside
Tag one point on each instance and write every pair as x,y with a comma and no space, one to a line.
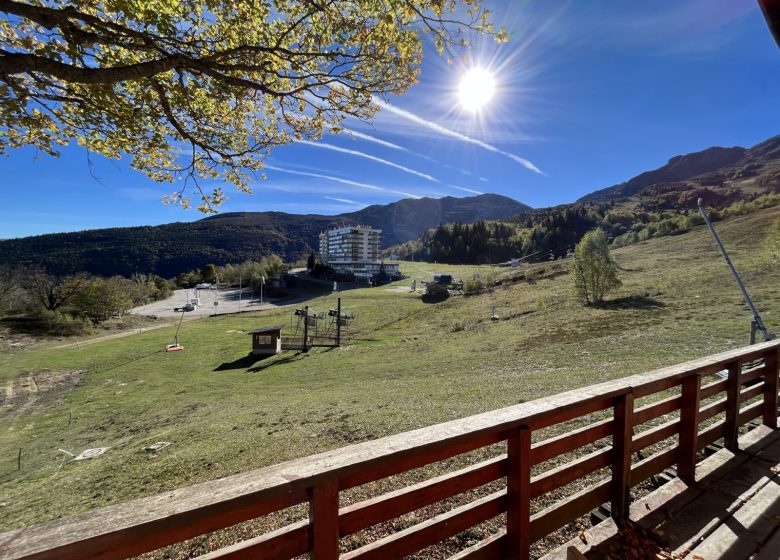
729,181
170,249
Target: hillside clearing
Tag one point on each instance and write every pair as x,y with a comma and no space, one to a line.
407,364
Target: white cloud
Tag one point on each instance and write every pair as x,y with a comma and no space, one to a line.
453,134
369,157
340,180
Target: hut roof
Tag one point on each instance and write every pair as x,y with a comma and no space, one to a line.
272,328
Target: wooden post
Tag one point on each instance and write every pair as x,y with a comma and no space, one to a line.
689,428
770,390
622,436
731,427
518,483
324,520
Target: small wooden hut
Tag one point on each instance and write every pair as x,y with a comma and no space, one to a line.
267,340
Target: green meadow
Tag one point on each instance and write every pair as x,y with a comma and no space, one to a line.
405,364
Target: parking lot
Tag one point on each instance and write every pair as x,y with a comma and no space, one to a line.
211,301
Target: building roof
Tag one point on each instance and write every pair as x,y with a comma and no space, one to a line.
272,328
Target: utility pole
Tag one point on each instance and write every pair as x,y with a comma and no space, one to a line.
306,329
757,323
262,283
338,322
240,291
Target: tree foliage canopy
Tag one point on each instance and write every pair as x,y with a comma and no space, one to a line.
203,89
594,270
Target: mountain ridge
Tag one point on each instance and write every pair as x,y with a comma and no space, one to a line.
714,167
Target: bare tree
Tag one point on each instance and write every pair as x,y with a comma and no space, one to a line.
53,292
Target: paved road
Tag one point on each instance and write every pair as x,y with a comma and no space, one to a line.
226,300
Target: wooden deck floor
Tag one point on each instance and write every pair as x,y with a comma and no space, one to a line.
731,512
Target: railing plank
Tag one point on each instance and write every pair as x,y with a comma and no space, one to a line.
489,549
558,445
576,411
711,434
713,409
403,464
570,471
138,526
433,530
751,413
713,389
752,374
287,542
359,516
653,411
653,465
655,434
754,391
577,505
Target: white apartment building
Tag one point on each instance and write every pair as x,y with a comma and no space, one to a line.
354,250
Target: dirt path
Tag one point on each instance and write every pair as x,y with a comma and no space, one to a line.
30,393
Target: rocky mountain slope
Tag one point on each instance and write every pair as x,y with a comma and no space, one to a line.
718,175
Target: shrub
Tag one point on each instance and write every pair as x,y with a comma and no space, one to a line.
64,324
594,270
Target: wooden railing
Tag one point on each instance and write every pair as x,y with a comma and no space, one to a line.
638,413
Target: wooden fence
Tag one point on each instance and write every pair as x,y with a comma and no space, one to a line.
313,341
704,408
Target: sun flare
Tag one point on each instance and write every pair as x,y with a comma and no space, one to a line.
476,88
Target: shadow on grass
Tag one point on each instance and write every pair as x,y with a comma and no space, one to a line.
434,298
632,302
285,360
244,362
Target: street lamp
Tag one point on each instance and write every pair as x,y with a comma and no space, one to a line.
262,283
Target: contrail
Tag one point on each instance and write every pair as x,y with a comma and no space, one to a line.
345,200
374,139
452,134
367,156
340,180
466,190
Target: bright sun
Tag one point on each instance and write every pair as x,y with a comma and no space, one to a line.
476,88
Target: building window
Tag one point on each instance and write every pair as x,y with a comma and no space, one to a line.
263,340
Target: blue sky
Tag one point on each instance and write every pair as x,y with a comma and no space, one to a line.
588,93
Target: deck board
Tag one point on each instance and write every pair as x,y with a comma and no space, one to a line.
771,549
732,512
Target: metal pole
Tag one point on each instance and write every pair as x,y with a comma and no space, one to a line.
262,283
753,310
338,322
240,291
